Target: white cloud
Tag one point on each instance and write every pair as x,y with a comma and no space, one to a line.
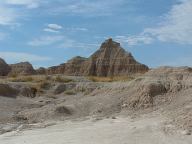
7,16
177,25
27,3
55,26
50,30
60,41
87,7
135,40
10,13
68,43
46,40
78,29
19,56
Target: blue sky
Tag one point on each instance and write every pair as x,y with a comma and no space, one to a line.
50,32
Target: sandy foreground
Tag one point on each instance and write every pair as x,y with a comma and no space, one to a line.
149,130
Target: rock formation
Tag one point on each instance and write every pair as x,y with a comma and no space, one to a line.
41,70
56,69
4,68
110,60
75,66
23,68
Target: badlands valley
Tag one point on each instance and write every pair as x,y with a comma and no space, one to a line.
107,98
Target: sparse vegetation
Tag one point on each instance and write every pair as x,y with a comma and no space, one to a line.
22,79
62,79
110,79
13,75
44,85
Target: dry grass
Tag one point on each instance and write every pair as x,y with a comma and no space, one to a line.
61,79
31,78
21,79
44,85
110,79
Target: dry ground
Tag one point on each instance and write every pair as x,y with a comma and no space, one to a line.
153,108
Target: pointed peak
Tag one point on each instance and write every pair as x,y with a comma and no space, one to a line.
110,40
110,43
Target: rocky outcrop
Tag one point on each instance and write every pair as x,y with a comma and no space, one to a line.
23,68
110,60
4,68
56,69
75,66
41,71
71,67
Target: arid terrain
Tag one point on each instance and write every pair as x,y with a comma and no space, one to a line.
155,107
107,98
96,72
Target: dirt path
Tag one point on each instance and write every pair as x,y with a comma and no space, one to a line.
109,131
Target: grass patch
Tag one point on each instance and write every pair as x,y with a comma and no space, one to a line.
22,79
62,79
110,79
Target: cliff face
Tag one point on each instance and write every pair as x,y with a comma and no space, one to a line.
110,60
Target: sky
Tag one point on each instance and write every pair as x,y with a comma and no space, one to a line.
50,32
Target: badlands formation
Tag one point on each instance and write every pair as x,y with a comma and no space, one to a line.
108,98
110,60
